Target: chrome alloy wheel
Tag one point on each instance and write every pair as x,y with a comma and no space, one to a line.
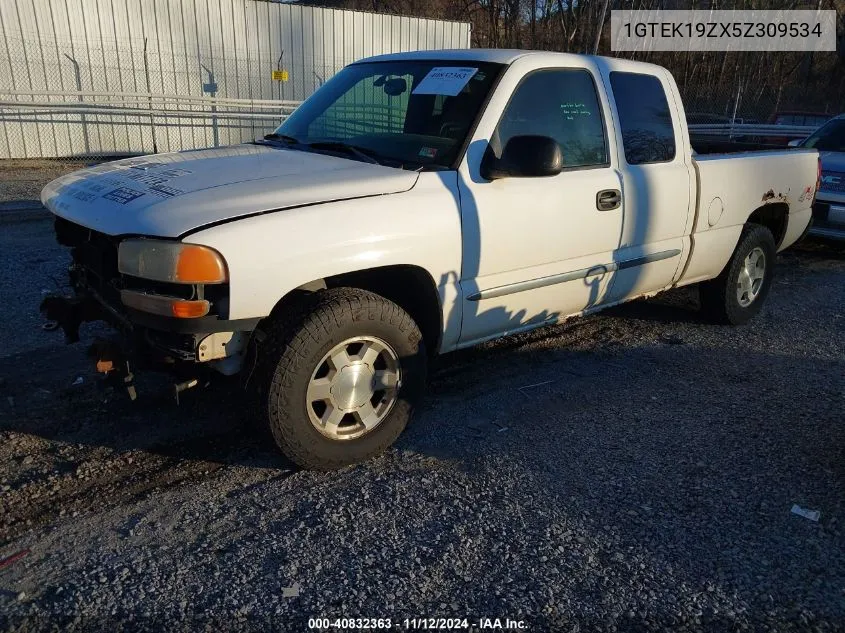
751,277
353,388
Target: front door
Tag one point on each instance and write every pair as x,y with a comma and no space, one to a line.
537,249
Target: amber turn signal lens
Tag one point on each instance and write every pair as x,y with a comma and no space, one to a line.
198,264
165,306
189,309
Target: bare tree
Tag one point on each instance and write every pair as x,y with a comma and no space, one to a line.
709,81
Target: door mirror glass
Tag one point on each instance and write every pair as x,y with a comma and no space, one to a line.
524,157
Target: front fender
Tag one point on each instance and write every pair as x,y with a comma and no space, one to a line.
271,254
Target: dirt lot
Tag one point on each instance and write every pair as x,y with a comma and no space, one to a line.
629,471
24,179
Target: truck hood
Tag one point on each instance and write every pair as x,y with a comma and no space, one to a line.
168,195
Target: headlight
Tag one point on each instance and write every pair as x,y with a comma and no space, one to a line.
173,262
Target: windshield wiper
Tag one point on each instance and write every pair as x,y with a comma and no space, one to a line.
362,153
273,136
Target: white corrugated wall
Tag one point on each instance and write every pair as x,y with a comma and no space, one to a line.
176,47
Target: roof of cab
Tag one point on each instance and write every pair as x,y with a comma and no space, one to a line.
496,55
508,56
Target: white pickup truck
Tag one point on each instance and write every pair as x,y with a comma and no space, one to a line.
416,204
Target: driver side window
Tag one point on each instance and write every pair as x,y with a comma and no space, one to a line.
561,104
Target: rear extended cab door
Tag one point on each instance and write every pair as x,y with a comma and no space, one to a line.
658,177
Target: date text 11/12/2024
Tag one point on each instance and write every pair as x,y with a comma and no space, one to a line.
417,624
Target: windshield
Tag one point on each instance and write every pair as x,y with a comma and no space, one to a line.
401,112
829,137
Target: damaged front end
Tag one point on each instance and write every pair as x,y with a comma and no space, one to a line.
163,321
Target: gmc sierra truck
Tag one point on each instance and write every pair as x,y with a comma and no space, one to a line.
416,204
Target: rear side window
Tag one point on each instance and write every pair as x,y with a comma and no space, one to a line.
644,117
562,104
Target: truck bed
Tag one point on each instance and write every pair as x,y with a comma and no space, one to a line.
731,185
751,179
705,145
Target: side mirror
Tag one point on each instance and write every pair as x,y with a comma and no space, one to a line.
524,157
796,142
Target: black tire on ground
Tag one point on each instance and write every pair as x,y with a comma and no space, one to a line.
719,299
290,352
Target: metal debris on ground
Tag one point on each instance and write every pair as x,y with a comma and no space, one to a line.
184,386
538,384
812,515
14,558
291,592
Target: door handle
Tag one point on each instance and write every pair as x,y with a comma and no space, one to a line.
608,199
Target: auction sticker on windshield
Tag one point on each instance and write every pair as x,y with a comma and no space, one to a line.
445,80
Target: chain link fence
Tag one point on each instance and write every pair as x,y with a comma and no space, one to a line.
124,98
89,81
128,98
111,99
762,98
748,103
78,96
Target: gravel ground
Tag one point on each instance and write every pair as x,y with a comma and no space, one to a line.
629,471
24,179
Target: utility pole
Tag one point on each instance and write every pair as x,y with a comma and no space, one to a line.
82,118
150,97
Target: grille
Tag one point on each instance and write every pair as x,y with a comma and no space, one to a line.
94,258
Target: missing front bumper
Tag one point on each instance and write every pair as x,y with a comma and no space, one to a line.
152,341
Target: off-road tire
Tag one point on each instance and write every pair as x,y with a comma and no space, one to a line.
719,299
289,350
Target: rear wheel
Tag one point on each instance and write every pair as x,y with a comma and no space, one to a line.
338,378
738,293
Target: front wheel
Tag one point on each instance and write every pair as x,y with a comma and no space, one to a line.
738,293
338,378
